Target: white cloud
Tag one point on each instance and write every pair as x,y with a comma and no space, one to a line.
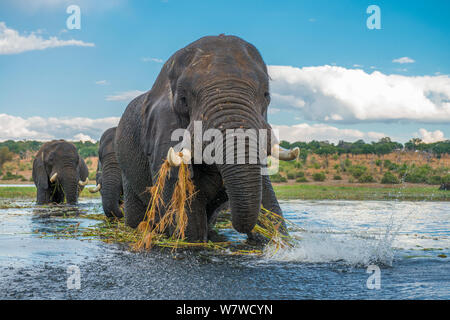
33,6
323,132
11,42
102,82
125,96
147,59
431,136
83,137
331,93
403,60
38,128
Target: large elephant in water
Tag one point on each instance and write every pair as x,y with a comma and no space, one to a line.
108,177
221,81
59,173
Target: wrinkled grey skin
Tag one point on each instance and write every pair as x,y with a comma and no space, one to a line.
222,81
62,157
109,176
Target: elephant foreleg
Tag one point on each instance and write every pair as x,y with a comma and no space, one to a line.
134,208
43,196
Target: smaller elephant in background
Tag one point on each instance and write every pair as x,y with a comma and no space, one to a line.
59,173
109,176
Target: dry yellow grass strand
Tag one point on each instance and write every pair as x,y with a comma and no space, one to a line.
146,226
182,197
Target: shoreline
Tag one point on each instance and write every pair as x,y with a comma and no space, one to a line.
303,191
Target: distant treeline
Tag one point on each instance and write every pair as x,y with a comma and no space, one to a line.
383,146
21,148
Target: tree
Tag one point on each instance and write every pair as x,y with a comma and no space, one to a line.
5,155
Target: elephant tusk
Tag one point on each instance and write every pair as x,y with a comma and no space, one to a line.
285,154
53,177
83,183
96,189
175,158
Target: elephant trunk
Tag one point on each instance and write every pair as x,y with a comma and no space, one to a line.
230,107
69,182
243,186
111,189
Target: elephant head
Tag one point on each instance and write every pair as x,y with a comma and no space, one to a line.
108,176
222,82
59,172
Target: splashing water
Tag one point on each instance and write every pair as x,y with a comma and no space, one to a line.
357,247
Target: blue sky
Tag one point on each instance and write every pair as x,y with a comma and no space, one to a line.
123,44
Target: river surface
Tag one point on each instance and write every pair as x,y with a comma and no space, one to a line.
406,245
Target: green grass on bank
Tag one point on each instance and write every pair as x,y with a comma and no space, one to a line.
30,192
319,192
302,191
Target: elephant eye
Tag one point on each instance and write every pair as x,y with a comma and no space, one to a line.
183,102
267,96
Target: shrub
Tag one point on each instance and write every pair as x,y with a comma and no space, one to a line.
316,165
92,175
298,165
277,178
10,176
290,175
301,179
337,177
434,180
446,178
366,178
389,178
357,171
418,174
5,155
319,176
378,162
299,174
347,162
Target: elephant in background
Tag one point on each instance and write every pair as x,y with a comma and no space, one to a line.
223,82
59,173
108,177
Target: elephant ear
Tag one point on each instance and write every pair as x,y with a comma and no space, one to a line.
39,174
160,118
82,169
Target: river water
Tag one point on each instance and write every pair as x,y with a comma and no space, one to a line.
406,243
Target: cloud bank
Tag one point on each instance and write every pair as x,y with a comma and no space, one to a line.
336,94
430,136
321,132
38,128
11,42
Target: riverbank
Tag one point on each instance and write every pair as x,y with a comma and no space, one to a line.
317,191
16,192
360,192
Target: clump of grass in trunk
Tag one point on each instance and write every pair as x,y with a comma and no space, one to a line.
175,216
270,225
